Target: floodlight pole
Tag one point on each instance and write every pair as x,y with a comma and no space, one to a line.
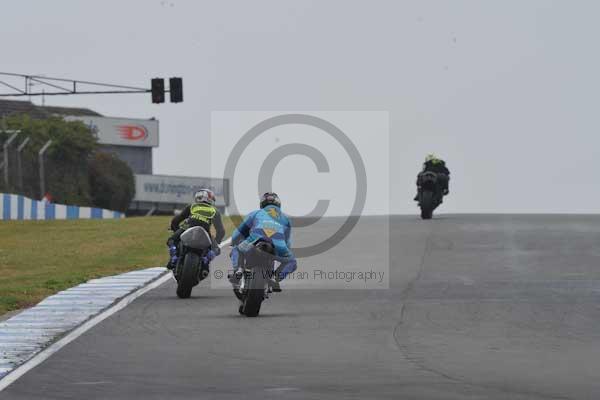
41,162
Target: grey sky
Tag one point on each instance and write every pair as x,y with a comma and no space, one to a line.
506,91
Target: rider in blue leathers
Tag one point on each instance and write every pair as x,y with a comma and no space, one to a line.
270,224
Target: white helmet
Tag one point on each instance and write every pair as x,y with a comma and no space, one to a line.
430,157
205,196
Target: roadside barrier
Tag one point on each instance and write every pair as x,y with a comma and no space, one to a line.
18,207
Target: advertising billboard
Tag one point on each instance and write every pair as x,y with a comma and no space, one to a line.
122,131
178,189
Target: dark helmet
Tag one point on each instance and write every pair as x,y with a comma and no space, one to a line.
270,199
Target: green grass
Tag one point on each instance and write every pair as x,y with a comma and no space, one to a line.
40,258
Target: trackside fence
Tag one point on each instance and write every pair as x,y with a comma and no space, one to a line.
18,207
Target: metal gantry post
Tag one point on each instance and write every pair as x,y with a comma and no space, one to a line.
42,173
5,163
19,163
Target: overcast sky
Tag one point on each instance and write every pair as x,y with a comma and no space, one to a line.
505,91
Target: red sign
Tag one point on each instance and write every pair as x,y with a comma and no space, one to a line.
133,132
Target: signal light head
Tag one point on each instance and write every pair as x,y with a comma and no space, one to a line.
176,90
158,90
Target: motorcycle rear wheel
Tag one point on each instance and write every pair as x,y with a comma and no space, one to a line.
426,205
189,275
252,302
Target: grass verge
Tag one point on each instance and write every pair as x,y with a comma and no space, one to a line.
40,258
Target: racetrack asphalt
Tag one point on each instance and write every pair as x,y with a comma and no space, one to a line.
479,307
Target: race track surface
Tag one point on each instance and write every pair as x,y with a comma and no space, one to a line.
479,307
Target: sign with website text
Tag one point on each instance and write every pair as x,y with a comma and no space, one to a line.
177,189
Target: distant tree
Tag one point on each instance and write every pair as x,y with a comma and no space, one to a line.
77,172
66,160
111,182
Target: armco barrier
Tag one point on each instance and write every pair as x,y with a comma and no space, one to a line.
17,207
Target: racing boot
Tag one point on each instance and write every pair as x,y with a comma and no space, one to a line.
274,283
235,278
275,279
172,258
417,195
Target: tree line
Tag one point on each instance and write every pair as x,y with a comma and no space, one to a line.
77,171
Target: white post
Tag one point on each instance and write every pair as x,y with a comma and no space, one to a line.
41,161
5,164
19,166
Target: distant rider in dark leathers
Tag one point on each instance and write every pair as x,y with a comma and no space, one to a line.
202,212
269,224
438,166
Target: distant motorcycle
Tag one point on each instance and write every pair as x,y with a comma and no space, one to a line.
430,192
192,265
257,273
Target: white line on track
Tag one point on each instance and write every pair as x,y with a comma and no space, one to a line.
74,334
43,355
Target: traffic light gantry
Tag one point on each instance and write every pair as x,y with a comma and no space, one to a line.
59,86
